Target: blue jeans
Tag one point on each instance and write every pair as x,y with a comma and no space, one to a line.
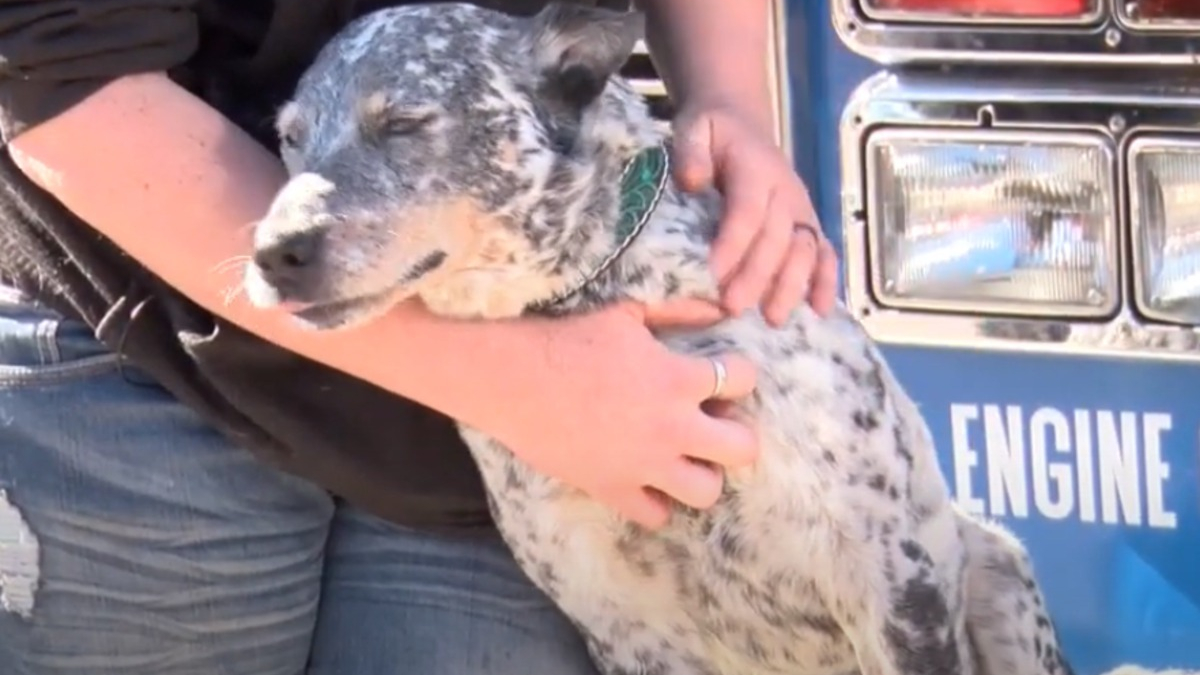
136,540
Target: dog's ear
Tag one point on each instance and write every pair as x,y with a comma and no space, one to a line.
576,48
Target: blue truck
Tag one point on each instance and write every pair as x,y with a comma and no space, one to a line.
1014,189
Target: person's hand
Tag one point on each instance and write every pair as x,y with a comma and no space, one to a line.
770,250
618,415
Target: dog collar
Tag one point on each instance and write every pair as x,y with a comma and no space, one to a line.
643,181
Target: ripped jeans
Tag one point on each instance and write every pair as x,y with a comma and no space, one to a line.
134,540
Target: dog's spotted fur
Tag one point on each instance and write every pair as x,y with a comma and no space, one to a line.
472,159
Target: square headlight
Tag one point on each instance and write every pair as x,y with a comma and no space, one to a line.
1164,205
989,221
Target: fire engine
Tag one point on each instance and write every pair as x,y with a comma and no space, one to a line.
1014,189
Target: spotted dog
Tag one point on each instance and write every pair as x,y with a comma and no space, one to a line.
494,166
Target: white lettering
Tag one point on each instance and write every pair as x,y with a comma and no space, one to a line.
1006,461
1120,479
1157,471
965,457
1043,422
1084,468
1090,466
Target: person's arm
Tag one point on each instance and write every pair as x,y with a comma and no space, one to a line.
713,53
181,199
190,183
178,186
90,117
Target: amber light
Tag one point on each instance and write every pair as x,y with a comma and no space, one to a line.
1031,9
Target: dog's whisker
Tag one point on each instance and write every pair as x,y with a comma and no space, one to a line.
230,294
230,263
248,226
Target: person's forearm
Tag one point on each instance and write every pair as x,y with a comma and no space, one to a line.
713,51
178,187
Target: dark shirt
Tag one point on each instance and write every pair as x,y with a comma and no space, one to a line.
393,457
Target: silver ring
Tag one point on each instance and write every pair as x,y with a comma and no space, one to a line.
719,376
811,229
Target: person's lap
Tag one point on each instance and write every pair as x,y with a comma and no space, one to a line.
161,548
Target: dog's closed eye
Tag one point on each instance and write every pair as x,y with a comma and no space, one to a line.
382,117
406,123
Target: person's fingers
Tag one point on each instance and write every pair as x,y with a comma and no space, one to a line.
682,313
691,154
724,442
644,507
745,209
796,278
824,289
715,407
691,483
748,285
697,377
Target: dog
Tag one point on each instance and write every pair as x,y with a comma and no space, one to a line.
495,166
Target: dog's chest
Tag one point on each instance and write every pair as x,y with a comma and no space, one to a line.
706,596
738,589
733,590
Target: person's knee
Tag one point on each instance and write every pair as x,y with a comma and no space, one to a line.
142,584
395,600
135,539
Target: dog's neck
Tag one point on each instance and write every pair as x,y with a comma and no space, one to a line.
635,237
603,229
642,184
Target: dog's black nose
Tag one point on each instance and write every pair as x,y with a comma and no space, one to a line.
290,263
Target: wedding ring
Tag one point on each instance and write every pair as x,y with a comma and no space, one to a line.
719,375
809,228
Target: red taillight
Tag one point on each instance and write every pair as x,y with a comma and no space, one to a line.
1017,9
1168,9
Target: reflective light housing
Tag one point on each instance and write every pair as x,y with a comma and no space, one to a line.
1165,210
985,221
933,10
1165,14
1031,32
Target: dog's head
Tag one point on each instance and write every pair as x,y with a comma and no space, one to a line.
441,140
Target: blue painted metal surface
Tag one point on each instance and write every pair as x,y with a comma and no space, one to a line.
1126,591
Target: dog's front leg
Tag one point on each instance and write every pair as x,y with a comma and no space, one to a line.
1007,617
898,610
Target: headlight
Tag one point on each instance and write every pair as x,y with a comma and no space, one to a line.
924,10
992,222
1165,211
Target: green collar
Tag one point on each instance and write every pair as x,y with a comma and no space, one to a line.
643,181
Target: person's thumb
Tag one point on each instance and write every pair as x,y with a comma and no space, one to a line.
691,152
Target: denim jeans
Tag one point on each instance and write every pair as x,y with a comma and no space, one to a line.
136,540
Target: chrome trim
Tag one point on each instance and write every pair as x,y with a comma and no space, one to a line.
649,88
646,87
777,67
1106,39
1137,145
1127,16
994,307
1107,104
775,61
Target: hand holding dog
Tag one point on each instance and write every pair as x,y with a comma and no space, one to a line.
619,416
769,249
631,408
